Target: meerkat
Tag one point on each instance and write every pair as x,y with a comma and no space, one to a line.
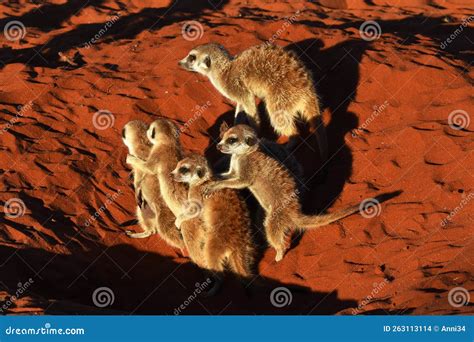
225,216
267,72
271,184
153,214
164,155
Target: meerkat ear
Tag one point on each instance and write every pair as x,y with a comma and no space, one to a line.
250,140
200,172
224,128
207,62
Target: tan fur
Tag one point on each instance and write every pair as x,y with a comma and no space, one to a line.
153,214
271,183
225,217
164,155
268,72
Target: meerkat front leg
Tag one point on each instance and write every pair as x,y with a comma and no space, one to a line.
138,163
238,109
233,183
250,108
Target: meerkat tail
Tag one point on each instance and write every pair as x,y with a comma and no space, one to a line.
315,221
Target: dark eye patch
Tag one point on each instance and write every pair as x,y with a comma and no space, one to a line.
191,58
183,170
231,141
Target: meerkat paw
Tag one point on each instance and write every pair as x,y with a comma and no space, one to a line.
207,192
141,235
131,159
279,256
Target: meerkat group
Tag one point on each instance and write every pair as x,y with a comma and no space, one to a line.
191,208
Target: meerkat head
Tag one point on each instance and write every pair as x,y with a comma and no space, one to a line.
240,139
163,131
205,58
134,136
193,170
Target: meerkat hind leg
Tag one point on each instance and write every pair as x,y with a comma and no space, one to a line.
275,229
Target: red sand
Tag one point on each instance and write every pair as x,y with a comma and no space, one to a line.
63,168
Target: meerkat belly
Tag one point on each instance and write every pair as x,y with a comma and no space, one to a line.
262,197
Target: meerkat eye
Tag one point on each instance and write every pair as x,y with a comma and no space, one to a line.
191,58
123,133
232,141
183,170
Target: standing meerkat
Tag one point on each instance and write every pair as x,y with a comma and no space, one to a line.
271,184
268,72
225,216
153,214
163,157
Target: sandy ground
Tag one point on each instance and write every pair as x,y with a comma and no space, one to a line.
387,103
